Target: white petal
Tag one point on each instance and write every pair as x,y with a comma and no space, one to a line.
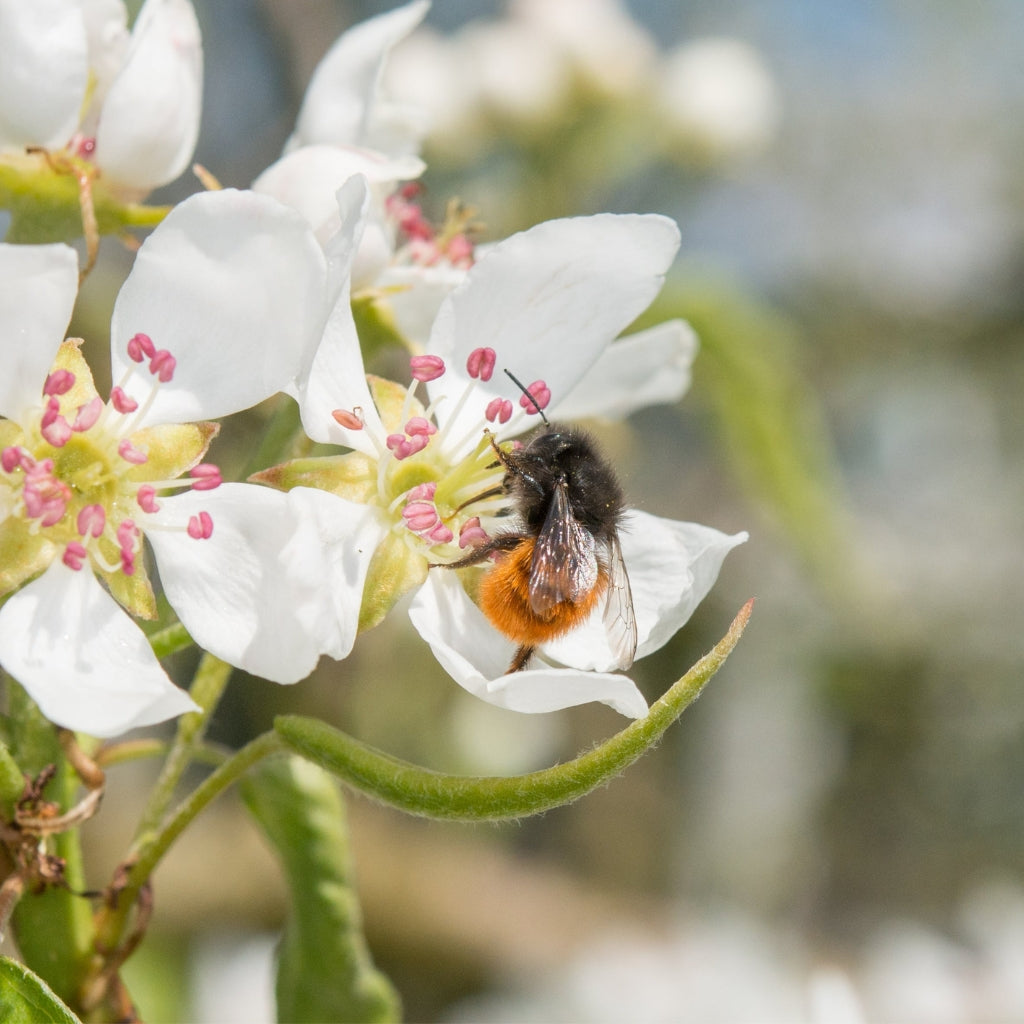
650,367
417,296
308,178
278,583
672,565
38,286
150,118
551,299
232,284
106,26
476,657
44,71
81,657
339,105
337,379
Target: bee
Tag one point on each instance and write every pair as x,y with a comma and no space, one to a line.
564,559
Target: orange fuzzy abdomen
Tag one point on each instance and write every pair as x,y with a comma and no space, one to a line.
505,600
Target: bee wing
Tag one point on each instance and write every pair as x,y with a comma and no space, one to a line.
619,618
564,565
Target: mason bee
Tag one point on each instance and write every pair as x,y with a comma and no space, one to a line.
564,559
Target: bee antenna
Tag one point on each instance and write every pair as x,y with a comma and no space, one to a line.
533,401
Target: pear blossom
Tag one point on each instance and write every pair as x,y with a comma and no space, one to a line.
551,299
222,309
74,82
718,96
346,126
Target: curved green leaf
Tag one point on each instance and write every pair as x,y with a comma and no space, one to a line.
26,999
325,972
478,798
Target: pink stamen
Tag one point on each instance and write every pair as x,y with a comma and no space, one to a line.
426,368
440,534
163,365
402,447
91,521
127,539
14,458
422,492
141,347
128,452
55,429
205,477
480,364
60,382
460,251
200,527
421,516
45,496
350,419
419,426
121,401
472,534
540,394
74,556
88,414
146,498
498,409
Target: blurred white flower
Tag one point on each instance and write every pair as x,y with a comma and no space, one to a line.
718,95
72,80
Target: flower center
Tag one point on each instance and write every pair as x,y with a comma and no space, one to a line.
86,476
436,499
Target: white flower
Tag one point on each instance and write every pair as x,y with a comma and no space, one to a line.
551,300
223,307
717,93
347,126
73,80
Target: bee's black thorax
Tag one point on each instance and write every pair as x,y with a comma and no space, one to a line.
595,498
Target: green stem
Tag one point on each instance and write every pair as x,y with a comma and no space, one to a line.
169,640
207,687
151,847
479,798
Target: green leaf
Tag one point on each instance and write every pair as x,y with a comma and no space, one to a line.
325,972
479,798
26,999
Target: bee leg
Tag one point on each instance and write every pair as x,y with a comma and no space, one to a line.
506,542
520,659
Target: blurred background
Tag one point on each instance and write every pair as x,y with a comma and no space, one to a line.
833,833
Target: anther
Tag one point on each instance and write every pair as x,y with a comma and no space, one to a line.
205,477
480,364
60,382
128,452
145,496
87,415
498,410
121,401
537,397
349,419
426,368
162,364
200,527
74,556
140,348
91,520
